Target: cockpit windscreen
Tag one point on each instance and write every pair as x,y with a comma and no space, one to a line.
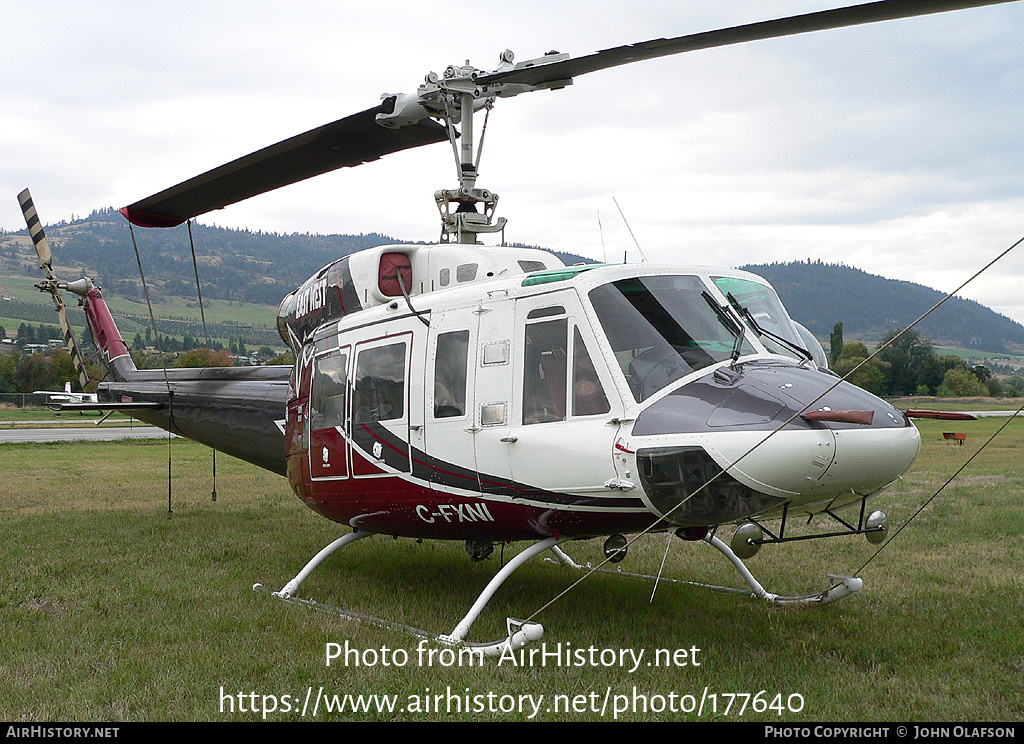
662,328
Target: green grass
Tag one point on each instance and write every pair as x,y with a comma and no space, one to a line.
970,354
217,311
114,610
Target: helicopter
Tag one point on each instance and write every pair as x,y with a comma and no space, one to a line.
490,394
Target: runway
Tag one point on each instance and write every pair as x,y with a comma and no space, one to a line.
44,435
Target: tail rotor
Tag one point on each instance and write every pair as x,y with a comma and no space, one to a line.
52,285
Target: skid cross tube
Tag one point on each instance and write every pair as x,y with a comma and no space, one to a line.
531,631
519,633
293,586
840,586
773,539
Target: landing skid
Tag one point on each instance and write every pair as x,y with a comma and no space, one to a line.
839,586
519,634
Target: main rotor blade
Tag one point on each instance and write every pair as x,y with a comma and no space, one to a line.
856,15
348,142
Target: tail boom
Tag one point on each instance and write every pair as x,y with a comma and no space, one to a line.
237,410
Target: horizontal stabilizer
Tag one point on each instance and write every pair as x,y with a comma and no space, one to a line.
943,415
105,406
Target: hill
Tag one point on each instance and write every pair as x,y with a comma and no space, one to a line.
236,265
819,295
259,268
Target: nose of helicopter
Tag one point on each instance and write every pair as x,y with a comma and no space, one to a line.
781,434
821,462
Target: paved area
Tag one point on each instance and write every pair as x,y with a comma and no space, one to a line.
79,434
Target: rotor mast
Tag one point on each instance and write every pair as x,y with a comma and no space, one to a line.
467,211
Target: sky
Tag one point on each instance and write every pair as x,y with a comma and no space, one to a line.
895,148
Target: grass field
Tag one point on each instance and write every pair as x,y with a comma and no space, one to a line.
112,609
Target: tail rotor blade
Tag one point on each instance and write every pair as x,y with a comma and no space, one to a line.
72,346
35,230
42,245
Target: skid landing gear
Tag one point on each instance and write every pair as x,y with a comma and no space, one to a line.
839,586
520,632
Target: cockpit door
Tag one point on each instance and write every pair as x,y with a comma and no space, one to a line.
566,419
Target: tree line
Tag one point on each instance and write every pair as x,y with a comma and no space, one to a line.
907,364
817,294
24,372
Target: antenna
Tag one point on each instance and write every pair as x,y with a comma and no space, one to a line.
635,241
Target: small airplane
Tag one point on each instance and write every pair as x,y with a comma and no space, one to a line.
66,396
491,394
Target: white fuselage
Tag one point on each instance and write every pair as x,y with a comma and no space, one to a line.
609,392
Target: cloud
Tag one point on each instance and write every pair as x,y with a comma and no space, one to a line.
894,147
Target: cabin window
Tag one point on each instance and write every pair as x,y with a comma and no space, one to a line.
378,392
466,272
545,360
588,396
764,306
545,312
444,277
531,266
328,396
450,371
